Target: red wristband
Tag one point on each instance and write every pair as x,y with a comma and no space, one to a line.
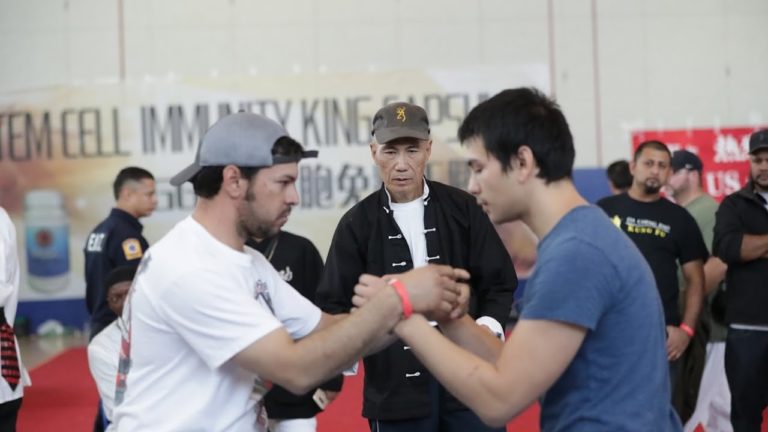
405,301
689,331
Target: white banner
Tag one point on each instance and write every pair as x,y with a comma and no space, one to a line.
61,148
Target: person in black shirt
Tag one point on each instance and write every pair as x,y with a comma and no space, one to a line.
299,263
117,240
619,177
741,241
666,234
412,222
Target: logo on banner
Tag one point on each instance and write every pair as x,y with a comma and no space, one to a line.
729,149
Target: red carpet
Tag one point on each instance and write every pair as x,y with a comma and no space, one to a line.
63,397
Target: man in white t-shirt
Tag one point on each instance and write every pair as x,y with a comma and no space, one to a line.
104,348
207,317
14,376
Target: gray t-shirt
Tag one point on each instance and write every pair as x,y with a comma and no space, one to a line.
590,274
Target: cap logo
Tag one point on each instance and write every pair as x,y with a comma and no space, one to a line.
400,114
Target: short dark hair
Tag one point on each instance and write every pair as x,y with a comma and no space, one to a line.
523,117
129,174
207,182
653,144
119,274
619,175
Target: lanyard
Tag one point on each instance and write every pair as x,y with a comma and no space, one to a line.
271,249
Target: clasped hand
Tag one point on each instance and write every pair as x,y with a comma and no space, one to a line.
439,292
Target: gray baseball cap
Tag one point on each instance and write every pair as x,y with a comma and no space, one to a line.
242,139
400,120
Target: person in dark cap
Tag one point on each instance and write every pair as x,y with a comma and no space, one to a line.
668,238
589,344
408,223
619,177
210,324
702,363
684,159
104,348
741,241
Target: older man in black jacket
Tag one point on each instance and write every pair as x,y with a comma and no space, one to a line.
411,222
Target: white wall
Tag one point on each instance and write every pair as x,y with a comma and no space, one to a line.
617,64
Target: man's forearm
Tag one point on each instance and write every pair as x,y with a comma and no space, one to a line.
369,327
376,345
380,343
694,299
472,337
500,390
329,351
693,272
754,247
714,273
429,288
474,381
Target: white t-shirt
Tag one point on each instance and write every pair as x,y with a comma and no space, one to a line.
410,218
103,356
194,304
9,297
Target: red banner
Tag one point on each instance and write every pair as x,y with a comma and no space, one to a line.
724,153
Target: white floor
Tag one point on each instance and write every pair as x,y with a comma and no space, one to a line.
36,350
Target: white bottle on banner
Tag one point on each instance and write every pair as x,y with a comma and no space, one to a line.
47,240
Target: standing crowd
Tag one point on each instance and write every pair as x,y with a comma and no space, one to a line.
644,310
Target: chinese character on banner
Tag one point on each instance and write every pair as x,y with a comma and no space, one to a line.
316,186
354,182
724,153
